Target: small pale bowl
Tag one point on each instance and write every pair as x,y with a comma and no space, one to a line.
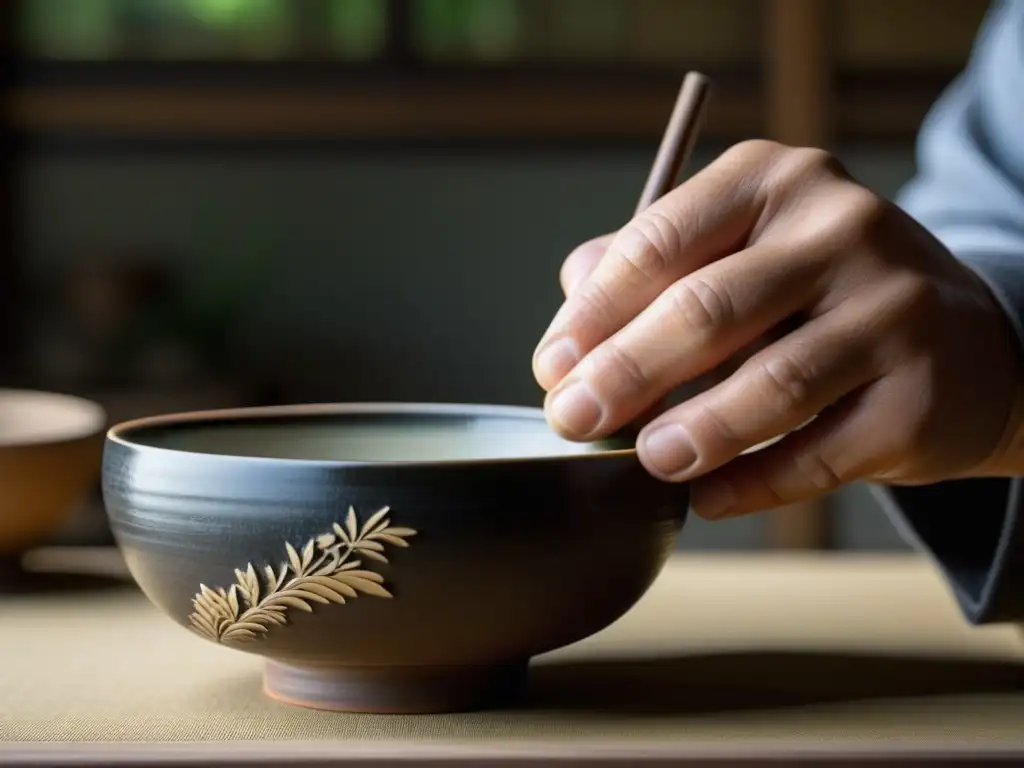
50,453
383,557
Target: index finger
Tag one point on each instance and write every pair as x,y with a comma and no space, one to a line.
709,216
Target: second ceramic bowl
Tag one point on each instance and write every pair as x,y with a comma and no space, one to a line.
50,450
398,558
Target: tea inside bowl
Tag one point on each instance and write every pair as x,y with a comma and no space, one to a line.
428,434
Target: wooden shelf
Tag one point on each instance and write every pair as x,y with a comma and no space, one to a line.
435,111
473,106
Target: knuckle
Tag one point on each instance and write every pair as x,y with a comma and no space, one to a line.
785,381
593,306
754,151
649,244
775,495
701,305
818,471
616,371
713,429
865,207
861,213
911,303
851,221
795,167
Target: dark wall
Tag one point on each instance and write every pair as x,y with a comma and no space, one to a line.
412,276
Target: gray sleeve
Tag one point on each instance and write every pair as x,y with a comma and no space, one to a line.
969,192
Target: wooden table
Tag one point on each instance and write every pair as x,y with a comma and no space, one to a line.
830,659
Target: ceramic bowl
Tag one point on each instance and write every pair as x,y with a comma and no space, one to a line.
50,452
386,558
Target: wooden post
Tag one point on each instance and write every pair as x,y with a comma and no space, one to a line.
10,293
799,72
798,91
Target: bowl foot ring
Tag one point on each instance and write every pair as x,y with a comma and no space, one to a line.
396,690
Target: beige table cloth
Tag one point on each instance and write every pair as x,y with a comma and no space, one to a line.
774,651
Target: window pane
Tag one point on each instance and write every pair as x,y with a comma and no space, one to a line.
204,29
666,33
660,32
208,28
482,30
62,30
358,28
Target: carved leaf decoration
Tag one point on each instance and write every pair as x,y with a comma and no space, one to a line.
214,599
351,524
232,598
243,585
367,582
324,572
293,558
375,518
254,585
390,538
334,584
331,564
307,553
248,585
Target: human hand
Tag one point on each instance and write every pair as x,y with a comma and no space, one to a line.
900,368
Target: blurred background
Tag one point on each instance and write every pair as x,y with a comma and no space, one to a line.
211,203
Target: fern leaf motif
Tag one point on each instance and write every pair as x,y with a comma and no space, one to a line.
328,569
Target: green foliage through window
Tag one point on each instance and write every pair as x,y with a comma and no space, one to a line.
204,29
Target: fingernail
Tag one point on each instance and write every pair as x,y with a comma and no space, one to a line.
556,359
668,450
713,499
576,409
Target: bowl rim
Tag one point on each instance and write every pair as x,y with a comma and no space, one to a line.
93,425
119,434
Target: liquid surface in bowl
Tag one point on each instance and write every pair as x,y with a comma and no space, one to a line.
369,437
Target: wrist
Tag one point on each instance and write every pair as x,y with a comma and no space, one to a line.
1007,458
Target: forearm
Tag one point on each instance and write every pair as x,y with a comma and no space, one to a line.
969,192
969,189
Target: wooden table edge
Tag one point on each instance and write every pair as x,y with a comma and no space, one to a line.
490,754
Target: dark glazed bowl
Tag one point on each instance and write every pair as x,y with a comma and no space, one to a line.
387,558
